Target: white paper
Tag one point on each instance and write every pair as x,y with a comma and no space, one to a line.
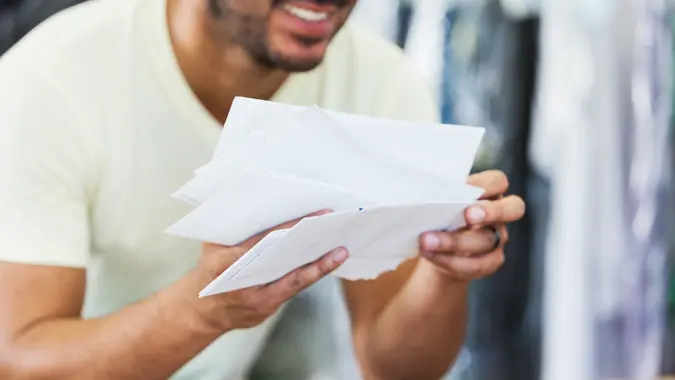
360,146
387,180
255,202
378,238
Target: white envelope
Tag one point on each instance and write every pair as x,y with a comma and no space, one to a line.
435,146
255,202
439,153
388,180
378,239
342,157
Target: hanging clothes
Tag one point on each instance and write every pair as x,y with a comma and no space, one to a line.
648,180
424,43
668,355
603,266
563,136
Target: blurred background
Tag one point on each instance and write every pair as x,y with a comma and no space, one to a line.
576,97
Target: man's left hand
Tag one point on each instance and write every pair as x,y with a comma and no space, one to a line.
477,250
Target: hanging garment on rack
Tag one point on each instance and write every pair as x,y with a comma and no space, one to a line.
570,123
475,51
424,42
593,316
647,183
668,365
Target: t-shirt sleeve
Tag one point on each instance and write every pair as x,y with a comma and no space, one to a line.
43,173
406,95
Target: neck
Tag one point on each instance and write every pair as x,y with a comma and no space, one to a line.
216,70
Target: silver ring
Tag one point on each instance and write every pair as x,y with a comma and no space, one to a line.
497,236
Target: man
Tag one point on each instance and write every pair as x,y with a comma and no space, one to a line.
109,107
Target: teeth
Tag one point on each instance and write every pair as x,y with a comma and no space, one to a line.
306,14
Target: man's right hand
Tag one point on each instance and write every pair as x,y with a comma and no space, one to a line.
43,336
249,307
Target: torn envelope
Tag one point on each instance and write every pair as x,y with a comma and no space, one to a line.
290,133
276,162
378,239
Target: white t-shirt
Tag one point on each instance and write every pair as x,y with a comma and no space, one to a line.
98,127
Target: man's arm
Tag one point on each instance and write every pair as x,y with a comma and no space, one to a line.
43,337
407,324
46,182
410,324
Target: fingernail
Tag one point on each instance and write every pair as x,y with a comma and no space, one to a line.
476,214
339,255
431,242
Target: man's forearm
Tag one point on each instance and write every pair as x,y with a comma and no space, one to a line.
419,334
148,340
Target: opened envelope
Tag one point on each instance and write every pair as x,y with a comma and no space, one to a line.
294,160
378,239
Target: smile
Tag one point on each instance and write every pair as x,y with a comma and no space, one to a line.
306,14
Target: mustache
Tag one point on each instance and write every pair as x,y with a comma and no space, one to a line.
337,3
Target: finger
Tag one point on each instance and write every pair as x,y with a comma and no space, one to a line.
252,241
465,242
301,278
505,210
468,268
494,182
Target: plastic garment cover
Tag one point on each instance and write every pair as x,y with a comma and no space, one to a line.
644,277
668,365
604,300
473,73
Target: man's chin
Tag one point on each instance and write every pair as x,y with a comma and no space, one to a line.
295,64
297,60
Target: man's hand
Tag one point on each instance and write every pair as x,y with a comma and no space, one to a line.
251,306
477,250
43,336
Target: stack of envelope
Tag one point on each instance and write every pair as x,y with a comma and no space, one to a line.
386,181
